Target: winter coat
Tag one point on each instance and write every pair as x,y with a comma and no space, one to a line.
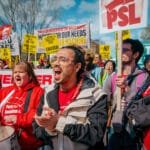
16,105
83,122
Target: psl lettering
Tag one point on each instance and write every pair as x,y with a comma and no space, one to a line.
122,13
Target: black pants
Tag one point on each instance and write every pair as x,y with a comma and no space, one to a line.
122,141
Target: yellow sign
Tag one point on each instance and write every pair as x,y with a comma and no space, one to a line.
105,52
72,40
5,54
126,34
50,43
30,44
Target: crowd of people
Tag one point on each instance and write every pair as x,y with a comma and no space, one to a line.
80,111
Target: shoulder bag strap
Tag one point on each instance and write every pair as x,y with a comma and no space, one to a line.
4,101
27,100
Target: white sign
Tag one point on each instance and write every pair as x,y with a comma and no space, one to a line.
12,43
118,15
68,35
44,76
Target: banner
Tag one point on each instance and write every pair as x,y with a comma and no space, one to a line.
73,34
44,76
118,15
12,43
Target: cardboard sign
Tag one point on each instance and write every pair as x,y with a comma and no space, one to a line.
5,54
30,44
105,52
51,44
122,14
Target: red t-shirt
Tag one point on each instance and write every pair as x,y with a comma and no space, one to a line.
65,98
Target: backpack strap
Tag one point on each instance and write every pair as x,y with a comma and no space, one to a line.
113,81
27,100
139,80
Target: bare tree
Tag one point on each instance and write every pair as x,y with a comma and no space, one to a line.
27,15
9,8
145,34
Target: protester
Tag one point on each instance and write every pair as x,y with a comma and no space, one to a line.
147,63
109,68
46,64
146,134
90,67
130,81
2,64
98,60
138,113
76,115
18,109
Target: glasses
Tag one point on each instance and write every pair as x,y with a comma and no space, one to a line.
61,59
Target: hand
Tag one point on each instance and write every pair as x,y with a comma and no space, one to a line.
48,111
120,81
48,119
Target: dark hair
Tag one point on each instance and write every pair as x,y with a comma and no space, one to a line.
146,60
136,46
113,63
79,58
29,71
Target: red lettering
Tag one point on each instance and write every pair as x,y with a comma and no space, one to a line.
128,1
123,16
39,77
47,79
111,17
132,18
43,79
114,4
6,79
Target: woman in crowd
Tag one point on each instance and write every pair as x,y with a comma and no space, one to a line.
18,104
109,68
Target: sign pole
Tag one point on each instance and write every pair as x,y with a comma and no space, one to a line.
119,68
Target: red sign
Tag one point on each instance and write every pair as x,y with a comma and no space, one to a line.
5,31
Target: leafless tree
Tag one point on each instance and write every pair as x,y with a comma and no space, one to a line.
145,34
9,8
27,15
